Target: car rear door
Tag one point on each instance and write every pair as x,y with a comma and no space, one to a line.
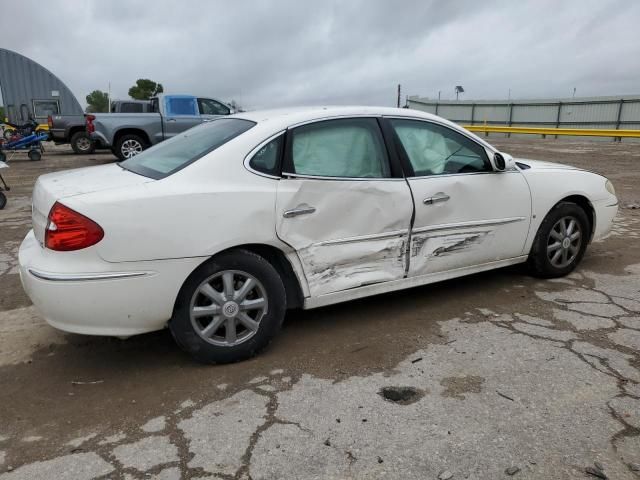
466,214
181,113
342,205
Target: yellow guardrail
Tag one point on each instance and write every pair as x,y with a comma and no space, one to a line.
580,132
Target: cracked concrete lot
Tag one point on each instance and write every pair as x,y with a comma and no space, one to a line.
497,375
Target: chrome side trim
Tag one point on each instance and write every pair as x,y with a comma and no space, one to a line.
364,238
455,226
342,179
401,284
82,277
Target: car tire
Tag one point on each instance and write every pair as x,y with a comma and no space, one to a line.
3,200
128,146
560,242
82,144
207,336
34,155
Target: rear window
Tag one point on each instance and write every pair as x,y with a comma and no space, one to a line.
169,156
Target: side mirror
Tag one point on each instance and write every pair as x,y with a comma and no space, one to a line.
502,162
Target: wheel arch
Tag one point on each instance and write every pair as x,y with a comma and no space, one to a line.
131,131
584,203
278,259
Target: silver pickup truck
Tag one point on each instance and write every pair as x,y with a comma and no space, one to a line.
128,134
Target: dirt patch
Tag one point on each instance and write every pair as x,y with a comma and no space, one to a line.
402,395
456,387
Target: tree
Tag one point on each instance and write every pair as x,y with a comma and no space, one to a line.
98,102
144,89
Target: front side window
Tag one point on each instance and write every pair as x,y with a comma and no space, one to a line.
433,149
181,106
179,151
211,107
350,148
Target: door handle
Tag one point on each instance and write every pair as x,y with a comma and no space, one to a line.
437,198
171,119
298,211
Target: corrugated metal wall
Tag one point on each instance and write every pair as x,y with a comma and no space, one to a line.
596,112
24,82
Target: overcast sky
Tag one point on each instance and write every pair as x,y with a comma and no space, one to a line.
274,53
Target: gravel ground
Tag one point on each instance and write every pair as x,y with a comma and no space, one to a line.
497,375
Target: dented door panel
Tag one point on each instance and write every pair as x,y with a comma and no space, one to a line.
356,235
478,218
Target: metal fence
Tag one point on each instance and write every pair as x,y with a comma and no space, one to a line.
612,113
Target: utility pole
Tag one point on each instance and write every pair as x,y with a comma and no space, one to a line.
109,98
439,92
398,101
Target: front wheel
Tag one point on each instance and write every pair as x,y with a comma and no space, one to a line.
560,242
229,309
34,155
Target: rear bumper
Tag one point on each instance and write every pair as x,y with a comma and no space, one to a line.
115,299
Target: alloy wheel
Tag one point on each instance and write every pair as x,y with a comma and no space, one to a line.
563,243
227,307
130,148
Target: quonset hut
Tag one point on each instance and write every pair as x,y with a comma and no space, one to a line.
27,88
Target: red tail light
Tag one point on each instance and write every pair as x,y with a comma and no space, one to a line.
90,126
50,121
68,230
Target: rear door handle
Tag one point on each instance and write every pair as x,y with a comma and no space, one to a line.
298,211
437,198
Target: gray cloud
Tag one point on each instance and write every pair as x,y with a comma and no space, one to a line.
272,53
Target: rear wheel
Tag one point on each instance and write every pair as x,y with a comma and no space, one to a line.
34,155
129,146
81,143
560,242
229,309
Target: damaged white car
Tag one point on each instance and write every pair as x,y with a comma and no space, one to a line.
218,231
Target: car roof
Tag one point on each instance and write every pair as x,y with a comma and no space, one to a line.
285,117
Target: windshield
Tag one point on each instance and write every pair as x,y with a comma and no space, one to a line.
172,155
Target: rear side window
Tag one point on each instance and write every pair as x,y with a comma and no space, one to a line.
267,159
347,148
176,153
181,106
131,107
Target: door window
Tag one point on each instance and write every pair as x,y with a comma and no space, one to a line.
211,107
433,149
181,106
348,148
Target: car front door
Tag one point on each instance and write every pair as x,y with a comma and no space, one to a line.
342,205
181,113
466,214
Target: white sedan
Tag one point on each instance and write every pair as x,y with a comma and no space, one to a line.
218,231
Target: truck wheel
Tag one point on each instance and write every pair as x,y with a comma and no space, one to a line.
34,155
82,143
129,146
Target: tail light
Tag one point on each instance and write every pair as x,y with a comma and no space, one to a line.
90,126
68,230
50,122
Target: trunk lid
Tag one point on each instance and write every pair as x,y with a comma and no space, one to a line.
53,187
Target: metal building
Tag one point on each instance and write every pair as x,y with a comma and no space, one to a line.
27,88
